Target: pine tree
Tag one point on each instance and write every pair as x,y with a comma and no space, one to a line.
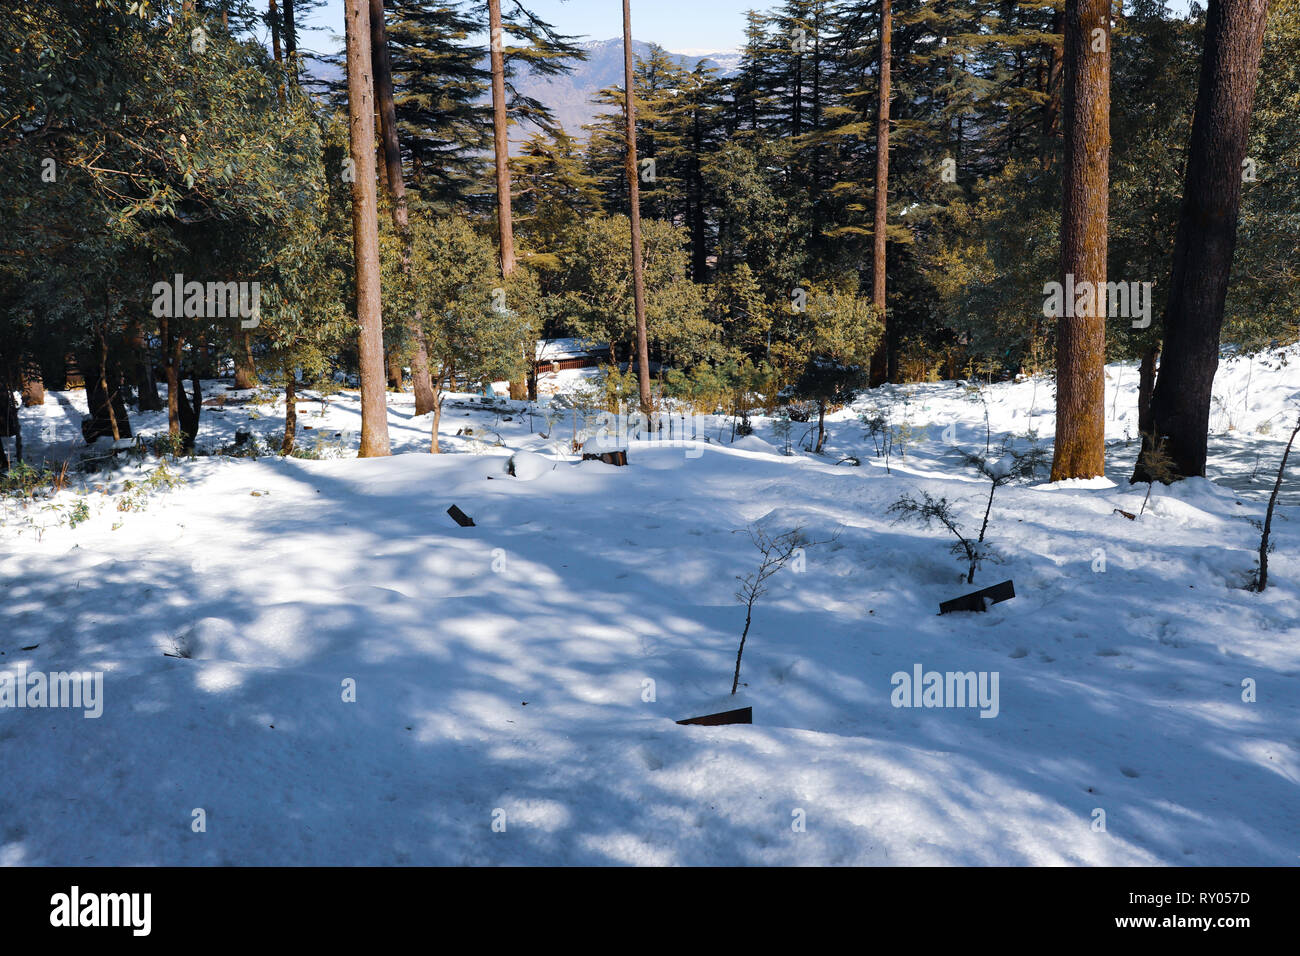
553,195
1080,450
361,136
438,91
1207,231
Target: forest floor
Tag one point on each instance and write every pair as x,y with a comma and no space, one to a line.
517,682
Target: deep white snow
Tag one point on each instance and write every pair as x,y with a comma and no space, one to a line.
528,671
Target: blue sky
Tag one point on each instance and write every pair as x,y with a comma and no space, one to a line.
703,26
689,26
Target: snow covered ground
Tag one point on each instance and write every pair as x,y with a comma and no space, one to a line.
517,682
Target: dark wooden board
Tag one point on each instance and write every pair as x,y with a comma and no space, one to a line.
462,519
975,601
744,715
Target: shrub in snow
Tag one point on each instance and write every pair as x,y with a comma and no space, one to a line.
1010,466
1155,464
775,552
781,428
929,509
829,384
877,424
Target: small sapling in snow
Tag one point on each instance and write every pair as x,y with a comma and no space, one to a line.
1261,573
775,552
1011,466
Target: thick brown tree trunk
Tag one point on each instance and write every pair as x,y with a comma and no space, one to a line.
108,415
104,400
171,345
420,376
189,408
273,15
365,230
33,386
245,369
634,203
387,115
1146,387
290,416
394,370
880,370
500,139
291,40
397,190
501,146
146,385
1081,338
1207,232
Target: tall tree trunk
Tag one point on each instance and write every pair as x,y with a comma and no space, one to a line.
245,369
189,408
501,146
393,362
387,116
1146,386
1081,338
880,361
397,191
1052,108
290,415
273,15
420,377
365,230
1207,232
501,141
634,200
8,410
9,425
172,344
146,384
695,199
291,40
33,386
104,401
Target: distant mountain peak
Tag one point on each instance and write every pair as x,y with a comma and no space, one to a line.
570,97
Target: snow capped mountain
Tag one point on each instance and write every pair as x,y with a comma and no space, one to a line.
572,97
